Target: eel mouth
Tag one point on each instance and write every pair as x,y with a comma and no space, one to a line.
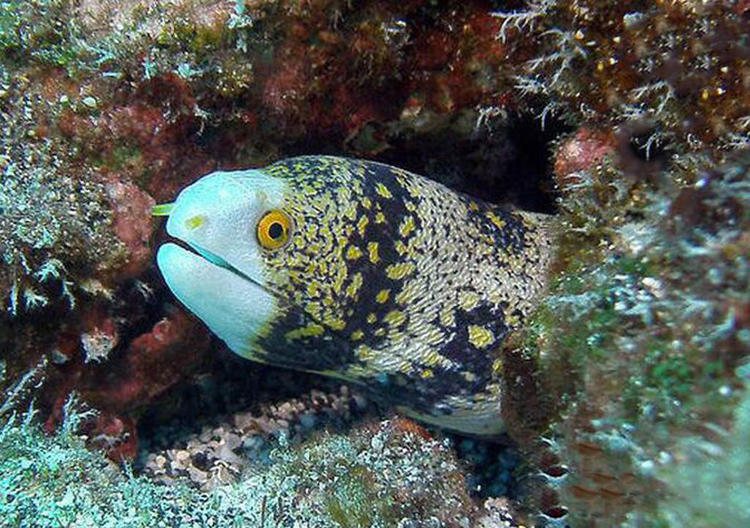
213,259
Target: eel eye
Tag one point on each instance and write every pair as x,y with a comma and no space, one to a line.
273,229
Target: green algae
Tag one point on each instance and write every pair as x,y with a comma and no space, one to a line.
354,502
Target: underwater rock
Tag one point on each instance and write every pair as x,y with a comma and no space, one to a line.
133,225
499,513
120,384
637,320
676,70
151,363
116,436
376,476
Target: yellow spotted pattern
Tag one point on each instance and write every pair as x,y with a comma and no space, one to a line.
372,252
411,278
480,337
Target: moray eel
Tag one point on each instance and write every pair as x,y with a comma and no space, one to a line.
361,271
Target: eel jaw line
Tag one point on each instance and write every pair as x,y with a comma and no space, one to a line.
216,260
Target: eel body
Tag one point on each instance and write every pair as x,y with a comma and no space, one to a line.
365,272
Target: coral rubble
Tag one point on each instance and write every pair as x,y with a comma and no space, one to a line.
217,455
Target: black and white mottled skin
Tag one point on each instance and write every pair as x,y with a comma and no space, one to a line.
389,280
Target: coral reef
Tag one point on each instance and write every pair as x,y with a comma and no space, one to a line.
629,365
672,73
641,335
382,475
53,226
108,108
625,393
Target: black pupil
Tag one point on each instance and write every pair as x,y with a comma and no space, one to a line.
275,230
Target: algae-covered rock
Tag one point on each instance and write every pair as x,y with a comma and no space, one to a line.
637,347
382,475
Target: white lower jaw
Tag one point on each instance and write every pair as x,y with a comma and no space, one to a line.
234,308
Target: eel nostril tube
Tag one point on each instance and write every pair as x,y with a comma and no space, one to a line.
162,209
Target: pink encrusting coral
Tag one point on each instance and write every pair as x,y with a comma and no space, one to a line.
132,224
581,152
122,383
152,362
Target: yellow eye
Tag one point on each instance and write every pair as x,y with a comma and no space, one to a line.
273,229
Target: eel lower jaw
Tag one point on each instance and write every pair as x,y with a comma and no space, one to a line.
213,258
234,306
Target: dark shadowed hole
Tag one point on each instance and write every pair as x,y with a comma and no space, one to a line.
556,512
492,466
508,162
641,156
645,148
555,471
